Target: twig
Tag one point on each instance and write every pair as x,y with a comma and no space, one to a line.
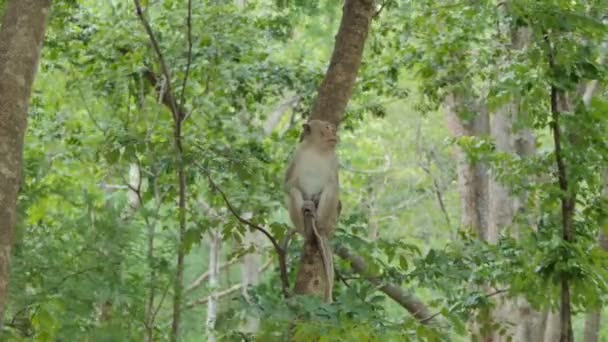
280,251
220,294
189,63
159,55
199,281
437,189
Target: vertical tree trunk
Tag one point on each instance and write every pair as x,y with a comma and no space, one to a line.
472,178
251,275
331,101
215,241
592,320
21,38
503,207
592,327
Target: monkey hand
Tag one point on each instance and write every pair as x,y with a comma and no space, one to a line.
308,207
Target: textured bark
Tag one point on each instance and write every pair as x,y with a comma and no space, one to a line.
472,178
522,322
337,87
21,38
330,104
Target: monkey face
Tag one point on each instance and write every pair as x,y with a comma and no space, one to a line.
322,132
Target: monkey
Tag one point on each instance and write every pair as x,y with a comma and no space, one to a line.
313,185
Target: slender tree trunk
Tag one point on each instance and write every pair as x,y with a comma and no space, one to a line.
331,101
21,39
251,275
215,242
592,320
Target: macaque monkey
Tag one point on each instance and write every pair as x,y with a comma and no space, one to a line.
313,185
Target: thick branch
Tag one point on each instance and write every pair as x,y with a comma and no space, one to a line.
408,301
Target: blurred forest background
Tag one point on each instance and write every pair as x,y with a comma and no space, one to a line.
474,172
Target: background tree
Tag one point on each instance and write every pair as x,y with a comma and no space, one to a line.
21,38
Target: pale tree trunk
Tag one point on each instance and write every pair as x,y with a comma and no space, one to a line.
527,323
215,241
552,327
592,327
251,275
472,178
592,319
21,38
330,104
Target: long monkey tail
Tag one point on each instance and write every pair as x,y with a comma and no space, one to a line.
328,261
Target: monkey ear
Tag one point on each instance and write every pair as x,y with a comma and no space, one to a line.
306,127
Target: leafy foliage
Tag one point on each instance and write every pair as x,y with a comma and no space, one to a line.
94,255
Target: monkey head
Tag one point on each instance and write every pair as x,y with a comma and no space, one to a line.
320,133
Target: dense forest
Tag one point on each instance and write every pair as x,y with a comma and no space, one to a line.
156,156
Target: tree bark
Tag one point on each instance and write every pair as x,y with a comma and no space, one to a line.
330,104
527,323
472,178
21,40
251,275
337,87
215,241
592,320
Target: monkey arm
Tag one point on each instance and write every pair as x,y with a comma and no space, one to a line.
295,204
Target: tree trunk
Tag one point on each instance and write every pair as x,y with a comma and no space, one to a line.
337,86
592,327
331,101
592,320
251,275
21,38
472,178
527,323
215,241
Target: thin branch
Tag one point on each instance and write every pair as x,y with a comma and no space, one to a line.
217,295
384,169
203,277
189,64
438,192
280,252
159,55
